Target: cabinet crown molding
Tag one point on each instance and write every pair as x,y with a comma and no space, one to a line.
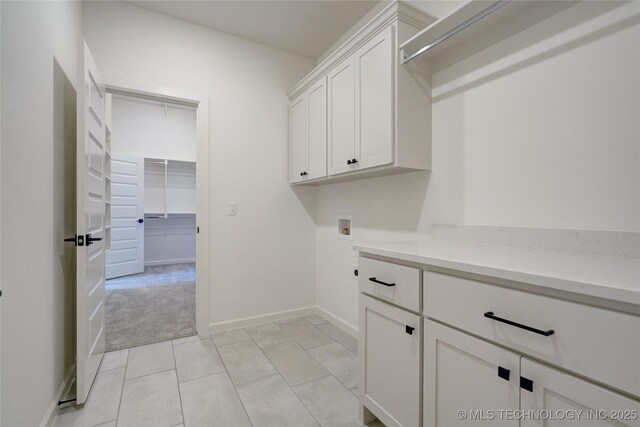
396,11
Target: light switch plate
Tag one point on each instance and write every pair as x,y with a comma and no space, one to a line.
233,208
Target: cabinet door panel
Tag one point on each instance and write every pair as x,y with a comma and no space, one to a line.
317,130
461,374
562,393
390,360
297,139
374,101
341,84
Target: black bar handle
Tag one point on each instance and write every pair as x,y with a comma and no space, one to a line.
490,315
374,280
354,161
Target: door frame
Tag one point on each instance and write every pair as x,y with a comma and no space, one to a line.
201,102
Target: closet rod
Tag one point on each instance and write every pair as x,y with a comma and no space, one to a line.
456,30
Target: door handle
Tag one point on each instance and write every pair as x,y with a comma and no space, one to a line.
380,282
349,162
354,161
490,315
76,240
90,239
140,220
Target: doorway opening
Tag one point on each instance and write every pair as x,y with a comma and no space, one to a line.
150,262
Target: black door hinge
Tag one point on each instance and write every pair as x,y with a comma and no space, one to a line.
526,384
198,230
409,329
77,240
503,373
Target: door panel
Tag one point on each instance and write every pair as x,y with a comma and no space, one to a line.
461,373
127,206
298,139
341,117
90,195
317,130
562,393
390,362
374,101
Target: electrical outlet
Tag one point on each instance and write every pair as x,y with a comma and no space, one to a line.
354,272
233,208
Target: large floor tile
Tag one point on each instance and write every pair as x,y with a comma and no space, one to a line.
268,334
305,334
245,362
270,402
196,359
339,335
150,359
102,403
294,364
342,363
230,337
188,339
315,319
114,360
212,401
152,400
329,402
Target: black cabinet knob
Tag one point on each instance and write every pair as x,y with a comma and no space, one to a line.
349,162
354,161
140,220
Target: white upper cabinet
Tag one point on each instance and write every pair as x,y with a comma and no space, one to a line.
342,125
308,134
297,139
377,112
317,131
374,101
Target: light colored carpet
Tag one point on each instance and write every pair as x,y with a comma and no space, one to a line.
157,305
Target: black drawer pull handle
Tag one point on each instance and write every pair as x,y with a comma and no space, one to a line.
374,280
490,315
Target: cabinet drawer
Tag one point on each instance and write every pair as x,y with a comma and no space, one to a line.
597,343
391,282
390,357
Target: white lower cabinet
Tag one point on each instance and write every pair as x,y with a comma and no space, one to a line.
467,381
565,399
390,374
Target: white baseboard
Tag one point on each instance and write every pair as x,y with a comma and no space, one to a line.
170,261
283,315
257,320
51,413
332,318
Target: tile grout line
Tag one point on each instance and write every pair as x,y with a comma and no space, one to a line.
124,378
175,365
226,370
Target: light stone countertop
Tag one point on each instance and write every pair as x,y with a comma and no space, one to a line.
610,277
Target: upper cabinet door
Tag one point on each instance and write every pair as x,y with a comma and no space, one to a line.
341,120
317,130
297,139
374,67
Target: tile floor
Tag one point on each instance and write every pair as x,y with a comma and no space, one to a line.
297,372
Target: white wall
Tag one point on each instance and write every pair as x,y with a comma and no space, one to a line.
537,128
39,54
142,128
263,259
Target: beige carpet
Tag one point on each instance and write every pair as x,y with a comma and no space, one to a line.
148,314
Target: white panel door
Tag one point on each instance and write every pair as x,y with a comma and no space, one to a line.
374,63
297,139
564,395
91,207
341,86
390,352
127,210
464,373
317,130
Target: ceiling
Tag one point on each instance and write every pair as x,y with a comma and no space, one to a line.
305,27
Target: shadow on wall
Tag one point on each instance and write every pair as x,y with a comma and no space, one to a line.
393,203
64,210
487,49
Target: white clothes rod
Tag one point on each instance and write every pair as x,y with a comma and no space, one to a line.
406,59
